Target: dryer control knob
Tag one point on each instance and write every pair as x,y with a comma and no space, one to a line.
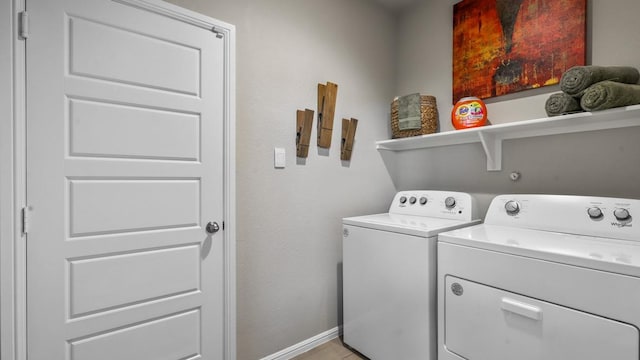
412,200
403,199
423,200
450,202
512,207
595,213
621,214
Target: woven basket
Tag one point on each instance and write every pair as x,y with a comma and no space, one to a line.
429,115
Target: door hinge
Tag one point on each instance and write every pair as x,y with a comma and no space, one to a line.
219,32
26,220
23,25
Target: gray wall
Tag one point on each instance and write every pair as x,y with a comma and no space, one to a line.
289,220
603,163
289,241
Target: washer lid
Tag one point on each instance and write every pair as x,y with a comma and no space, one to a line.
618,256
407,224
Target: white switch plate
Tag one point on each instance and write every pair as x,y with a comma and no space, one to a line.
279,158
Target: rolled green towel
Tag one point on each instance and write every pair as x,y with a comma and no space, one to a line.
577,79
610,94
561,103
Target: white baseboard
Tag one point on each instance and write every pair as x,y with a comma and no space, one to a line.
305,345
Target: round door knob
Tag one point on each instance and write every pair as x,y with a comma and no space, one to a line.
595,212
621,214
450,202
212,227
512,207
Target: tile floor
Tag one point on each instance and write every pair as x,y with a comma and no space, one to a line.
331,350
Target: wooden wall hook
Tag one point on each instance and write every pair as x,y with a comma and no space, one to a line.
304,122
327,95
348,135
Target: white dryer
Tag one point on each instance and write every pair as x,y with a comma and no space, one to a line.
545,277
389,273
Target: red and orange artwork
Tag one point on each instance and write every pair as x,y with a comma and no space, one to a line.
505,46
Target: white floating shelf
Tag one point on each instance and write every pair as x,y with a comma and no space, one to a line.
491,136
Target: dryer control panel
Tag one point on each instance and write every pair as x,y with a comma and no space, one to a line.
581,215
434,203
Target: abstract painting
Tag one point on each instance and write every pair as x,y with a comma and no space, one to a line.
505,46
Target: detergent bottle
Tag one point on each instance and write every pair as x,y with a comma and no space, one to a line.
469,112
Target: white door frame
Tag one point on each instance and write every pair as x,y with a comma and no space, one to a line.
13,173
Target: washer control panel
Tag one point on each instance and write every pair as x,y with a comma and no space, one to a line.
581,215
434,203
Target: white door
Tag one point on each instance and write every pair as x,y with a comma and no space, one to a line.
124,171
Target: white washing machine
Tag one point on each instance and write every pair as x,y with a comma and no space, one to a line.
389,273
544,277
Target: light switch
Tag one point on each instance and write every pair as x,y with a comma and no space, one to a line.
279,158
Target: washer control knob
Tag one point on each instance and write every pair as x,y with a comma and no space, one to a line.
595,212
403,199
412,200
512,207
450,202
621,214
423,200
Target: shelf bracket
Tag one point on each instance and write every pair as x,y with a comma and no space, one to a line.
492,146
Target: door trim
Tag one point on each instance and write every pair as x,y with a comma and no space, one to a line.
13,172
12,184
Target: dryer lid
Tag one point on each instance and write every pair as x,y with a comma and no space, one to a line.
612,255
407,224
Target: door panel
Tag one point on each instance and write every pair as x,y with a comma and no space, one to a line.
108,282
148,61
136,342
126,205
124,169
99,129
